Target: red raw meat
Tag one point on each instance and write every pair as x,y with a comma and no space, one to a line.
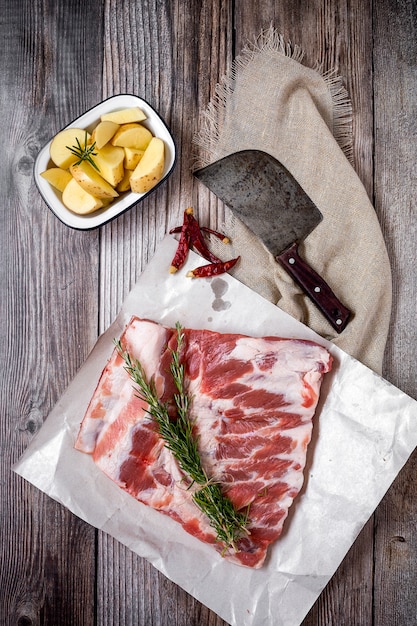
253,402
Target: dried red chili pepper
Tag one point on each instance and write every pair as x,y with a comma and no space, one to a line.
204,229
197,239
213,269
215,233
182,249
192,236
200,245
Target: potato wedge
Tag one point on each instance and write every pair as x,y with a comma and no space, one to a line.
124,116
103,132
59,152
124,184
57,177
110,160
133,136
91,181
150,168
78,200
132,157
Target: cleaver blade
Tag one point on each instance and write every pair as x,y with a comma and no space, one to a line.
274,206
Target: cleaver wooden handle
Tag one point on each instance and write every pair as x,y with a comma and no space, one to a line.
315,287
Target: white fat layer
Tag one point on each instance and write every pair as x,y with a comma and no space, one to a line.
145,341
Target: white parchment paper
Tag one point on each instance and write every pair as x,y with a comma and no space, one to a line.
364,431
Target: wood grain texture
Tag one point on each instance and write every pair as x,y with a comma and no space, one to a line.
395,51
49,306
330,33
61,288
163,47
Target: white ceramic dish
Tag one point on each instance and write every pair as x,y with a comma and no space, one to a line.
87,121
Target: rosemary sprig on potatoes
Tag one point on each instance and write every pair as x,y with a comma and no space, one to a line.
121,155
178,434
84,153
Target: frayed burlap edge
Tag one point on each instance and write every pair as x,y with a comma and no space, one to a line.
211,119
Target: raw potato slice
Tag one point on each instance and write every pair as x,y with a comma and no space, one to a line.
78,200
110,160
124,184
57,177
60,155
132,157
91,181
103,132
150,168
133,136
125,116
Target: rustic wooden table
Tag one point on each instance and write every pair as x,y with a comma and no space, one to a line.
61,287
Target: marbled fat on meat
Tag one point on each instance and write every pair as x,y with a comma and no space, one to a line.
253,402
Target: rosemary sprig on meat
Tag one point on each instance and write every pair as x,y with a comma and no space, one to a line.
179,438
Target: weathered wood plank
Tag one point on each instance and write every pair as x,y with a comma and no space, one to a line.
155,50
62,287
339,37
395,37
49,308
395,132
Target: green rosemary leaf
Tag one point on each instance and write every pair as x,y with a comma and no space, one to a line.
228,523
85,153
178,435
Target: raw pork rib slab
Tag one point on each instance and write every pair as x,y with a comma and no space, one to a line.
253,402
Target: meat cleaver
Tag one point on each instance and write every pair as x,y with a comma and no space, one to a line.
268,199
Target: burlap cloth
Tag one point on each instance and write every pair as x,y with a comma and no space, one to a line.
272,102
